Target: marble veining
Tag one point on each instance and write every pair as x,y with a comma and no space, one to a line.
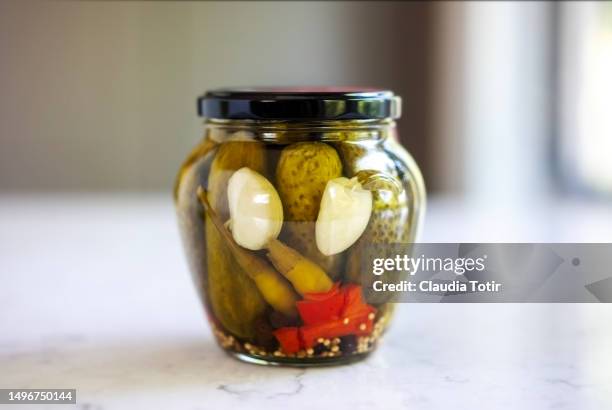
97,297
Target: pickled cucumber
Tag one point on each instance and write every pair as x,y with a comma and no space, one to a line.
234,297
389,224
390,221
301,176
188,212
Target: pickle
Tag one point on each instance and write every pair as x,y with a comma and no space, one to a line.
189,214
390,223
235,299
301,176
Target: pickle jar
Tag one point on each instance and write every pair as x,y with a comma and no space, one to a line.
279,203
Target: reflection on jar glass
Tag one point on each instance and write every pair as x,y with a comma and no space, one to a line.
278,204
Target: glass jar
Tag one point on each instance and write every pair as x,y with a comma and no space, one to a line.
278,204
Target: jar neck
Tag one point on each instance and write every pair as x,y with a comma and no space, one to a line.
295,131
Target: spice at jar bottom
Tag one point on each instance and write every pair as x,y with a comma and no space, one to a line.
287,192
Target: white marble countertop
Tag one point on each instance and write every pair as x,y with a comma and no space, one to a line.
95,295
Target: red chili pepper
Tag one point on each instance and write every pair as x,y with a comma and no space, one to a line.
338,312
289,339
323,309
353,299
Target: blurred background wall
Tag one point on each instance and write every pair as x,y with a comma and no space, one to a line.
502,100
101,95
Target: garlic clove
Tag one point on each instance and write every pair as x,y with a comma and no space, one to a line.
255,208
343,215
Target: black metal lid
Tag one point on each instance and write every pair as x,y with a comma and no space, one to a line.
300,103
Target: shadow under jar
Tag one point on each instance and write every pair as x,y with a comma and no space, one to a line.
279,204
